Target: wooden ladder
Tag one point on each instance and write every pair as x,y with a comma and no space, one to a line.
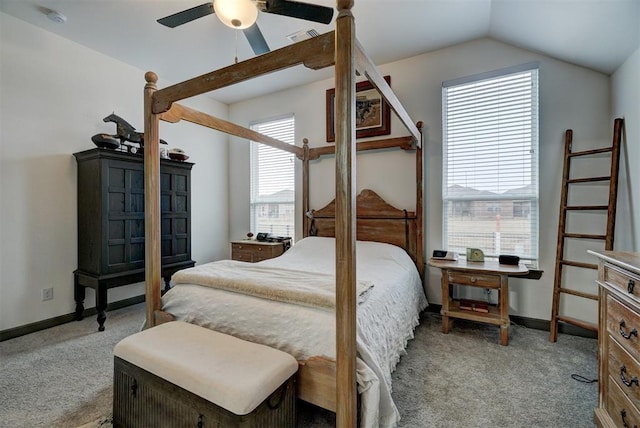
558,287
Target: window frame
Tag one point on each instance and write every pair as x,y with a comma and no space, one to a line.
257,207
532,196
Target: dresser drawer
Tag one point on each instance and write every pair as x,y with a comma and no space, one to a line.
627,282
620,409
624,370
623,324
473,279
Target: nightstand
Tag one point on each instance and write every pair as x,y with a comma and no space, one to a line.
487,274
254,251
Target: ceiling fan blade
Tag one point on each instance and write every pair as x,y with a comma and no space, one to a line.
188,15
309,12
256,39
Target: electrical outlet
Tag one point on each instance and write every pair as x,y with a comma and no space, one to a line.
47,294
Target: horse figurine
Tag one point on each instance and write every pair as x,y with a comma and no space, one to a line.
126,132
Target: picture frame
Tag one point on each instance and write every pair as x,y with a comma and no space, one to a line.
373,114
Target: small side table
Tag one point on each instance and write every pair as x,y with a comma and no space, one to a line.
255,251
488,274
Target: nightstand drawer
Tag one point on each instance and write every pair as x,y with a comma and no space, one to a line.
250,247
473,279
243,256
625,281
623,324
252,251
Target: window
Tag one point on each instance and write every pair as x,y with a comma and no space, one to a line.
490,163
273,180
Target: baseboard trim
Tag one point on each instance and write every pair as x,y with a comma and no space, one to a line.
537,324
11,333
63,319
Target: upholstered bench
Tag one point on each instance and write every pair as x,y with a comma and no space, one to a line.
179,374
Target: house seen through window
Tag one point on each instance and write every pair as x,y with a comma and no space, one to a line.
490,163
273,180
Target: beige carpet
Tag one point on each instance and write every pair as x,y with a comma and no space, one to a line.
62,377
103,422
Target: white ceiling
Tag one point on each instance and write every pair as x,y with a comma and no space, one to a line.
598,34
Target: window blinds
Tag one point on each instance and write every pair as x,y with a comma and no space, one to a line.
490,163
273,180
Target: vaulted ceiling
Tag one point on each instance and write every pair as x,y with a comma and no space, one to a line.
597,34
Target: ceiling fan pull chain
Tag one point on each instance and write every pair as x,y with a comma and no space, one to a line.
237,46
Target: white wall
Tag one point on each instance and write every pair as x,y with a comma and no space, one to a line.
54,94
625,89
570,97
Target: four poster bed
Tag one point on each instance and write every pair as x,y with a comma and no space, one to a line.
329,372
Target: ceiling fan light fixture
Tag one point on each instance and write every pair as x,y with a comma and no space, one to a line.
238,14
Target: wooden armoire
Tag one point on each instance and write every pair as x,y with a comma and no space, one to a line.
111,222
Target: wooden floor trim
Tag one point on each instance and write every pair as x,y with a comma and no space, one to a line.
63,319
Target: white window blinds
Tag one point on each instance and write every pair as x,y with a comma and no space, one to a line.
490,163
273,180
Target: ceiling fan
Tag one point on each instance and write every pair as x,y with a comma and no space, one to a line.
242,15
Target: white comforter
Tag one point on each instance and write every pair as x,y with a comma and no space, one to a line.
385,319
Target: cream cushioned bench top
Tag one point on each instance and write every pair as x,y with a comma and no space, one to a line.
234,374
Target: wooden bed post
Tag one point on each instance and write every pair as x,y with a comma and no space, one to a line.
345,71
305,187
151,201
419,211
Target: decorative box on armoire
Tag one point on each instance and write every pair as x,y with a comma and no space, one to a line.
111,222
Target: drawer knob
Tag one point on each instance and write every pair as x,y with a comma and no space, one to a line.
631,285
623,377
633,332
623,415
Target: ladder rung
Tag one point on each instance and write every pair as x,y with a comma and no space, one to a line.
584,236
579,293
579,323
588,179
587,207
579,264
592,152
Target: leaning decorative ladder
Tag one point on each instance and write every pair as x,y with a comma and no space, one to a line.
559,286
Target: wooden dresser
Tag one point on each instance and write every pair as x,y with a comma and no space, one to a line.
255,251
111,222
618,342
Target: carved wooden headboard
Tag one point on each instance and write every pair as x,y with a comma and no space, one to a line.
376,220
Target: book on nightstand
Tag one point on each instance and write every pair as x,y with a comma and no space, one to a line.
474,305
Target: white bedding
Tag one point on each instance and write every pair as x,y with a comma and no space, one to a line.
296,286
385,319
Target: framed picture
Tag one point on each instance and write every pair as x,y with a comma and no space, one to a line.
373,114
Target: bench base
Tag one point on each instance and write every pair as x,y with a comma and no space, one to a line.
142,399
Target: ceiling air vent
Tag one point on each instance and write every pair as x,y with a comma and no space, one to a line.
302,35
